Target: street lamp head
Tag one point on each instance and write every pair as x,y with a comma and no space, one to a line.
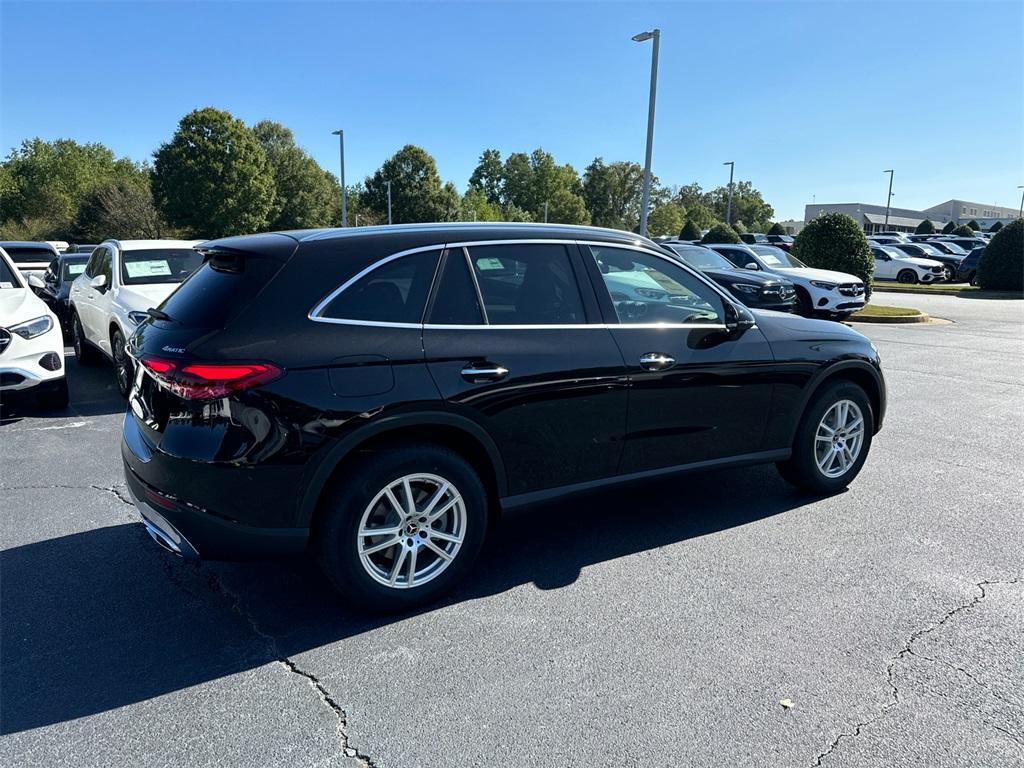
336,133
644,36
887,170
728,162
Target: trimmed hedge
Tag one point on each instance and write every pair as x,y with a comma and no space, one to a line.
948,229
1001,267
721,233
690,231
925,228
964,231
996,227
835,241
777,229
974,225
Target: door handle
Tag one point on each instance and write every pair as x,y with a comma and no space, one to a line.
656,361
484,372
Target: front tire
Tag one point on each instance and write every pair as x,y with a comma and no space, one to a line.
84,354
950,273
907,276
401,527
803,303
832,440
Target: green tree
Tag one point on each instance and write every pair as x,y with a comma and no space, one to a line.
690,195
777,229
835,241
304,193
739,228
43,183
489,176
747,203
925,228
530,181
212,177
690,231
948,229
476,207
613,192
1001,267
996,227
665,219
964,230
721,233
974,225
416,191
122,209
701,215
759,226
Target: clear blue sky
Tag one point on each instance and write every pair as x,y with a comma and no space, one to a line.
807,98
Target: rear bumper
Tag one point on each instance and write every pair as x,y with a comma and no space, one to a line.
192,532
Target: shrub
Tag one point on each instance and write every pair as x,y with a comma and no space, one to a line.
1002,263
964,230
777,229
690,231
996,227
974,225
925,228
835,241
721,233
948,229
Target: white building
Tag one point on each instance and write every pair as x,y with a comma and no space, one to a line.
873,217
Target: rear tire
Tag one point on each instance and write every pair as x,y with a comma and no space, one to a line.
820,462
84,353
123,369
360,567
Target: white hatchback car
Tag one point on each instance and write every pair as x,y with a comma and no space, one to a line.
122,280
893,264
818,291
31,342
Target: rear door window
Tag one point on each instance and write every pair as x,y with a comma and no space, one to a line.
527,284
394,292
456,302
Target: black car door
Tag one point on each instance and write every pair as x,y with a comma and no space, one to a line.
515,344
697,391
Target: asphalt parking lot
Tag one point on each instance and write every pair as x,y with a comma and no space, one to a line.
659,626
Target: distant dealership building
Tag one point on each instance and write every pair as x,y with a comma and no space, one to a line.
872,217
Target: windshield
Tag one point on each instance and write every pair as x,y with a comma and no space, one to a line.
776,257
929,250
953,248
73,269
7,277
158,265
27,255
702,258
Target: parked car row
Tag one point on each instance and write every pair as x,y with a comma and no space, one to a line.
944,258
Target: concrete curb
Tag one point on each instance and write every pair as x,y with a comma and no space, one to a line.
947,292
921,318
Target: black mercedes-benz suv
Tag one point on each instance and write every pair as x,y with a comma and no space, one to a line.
757,290
376,396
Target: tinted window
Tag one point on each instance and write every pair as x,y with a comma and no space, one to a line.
26,255
158,265
456,300
736,256
395,292
648,289
702,258
7,277
102,266
219,290
73,269
776,257
527,284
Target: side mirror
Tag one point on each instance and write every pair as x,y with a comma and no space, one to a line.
35,282
738,318
99,282
751,265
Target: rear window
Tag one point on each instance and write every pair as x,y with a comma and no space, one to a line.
26,255
7,278
394,292
219,290
158,265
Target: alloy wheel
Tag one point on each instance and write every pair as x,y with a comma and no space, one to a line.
121,364
411,531
839,439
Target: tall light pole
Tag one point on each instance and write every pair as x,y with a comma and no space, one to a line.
1020,214
545,212
389,201
728,206
888,200
654,34
341,144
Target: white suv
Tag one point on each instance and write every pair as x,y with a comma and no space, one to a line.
31,342
121,281
893,264
818,291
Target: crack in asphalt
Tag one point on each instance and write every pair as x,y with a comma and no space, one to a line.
293,667
907,650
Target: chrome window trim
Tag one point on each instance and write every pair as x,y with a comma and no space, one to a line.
315,313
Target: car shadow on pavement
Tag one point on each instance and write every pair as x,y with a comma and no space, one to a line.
92,388
103,618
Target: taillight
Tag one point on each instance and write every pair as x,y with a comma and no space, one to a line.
207,381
